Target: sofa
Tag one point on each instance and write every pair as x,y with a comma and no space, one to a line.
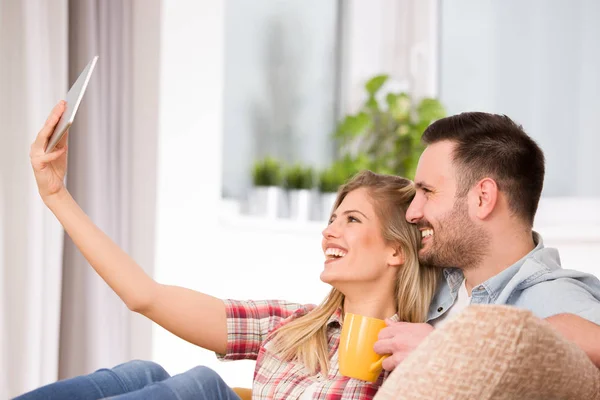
492,352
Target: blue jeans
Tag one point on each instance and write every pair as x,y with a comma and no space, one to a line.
136,380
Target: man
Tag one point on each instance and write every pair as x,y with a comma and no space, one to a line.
478,182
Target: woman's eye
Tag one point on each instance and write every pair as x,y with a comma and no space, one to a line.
352,219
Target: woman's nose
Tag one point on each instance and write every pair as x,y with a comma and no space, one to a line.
332,231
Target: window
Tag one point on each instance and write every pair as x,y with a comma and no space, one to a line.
280,94
538,62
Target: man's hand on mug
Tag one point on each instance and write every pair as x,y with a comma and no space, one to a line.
399,339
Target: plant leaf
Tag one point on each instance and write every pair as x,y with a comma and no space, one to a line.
353,126
372,104
430,110
400,109
375,83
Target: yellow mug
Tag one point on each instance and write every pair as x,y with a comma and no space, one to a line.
356,356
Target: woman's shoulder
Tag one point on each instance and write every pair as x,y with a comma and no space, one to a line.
292,310
267,308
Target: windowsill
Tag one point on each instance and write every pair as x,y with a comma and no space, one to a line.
231,217
564,219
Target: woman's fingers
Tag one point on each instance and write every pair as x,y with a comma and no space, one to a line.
49,125
45,159
63,141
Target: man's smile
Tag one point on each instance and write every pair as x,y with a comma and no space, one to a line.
426,235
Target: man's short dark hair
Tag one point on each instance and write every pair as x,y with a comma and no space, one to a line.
494,146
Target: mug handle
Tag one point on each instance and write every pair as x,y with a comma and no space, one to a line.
377,364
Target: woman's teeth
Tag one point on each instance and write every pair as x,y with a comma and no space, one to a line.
333,252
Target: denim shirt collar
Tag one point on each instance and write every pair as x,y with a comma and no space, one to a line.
486,292
497,283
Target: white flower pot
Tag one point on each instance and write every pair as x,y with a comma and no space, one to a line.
327,200
266,201
301,203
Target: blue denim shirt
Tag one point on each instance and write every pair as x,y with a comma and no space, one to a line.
537,283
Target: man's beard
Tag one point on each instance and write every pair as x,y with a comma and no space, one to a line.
456,241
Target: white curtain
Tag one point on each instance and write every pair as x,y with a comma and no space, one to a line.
57,318
95,324
33,77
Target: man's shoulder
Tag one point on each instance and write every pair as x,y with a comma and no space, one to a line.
561,295
548,289
560,283
543,271
543,286
544,265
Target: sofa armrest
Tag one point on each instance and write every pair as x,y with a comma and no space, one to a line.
494,352
243,393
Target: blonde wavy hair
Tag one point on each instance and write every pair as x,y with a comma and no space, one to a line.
305,338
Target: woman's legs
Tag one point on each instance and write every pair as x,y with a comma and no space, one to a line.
199,383
123,378
137,380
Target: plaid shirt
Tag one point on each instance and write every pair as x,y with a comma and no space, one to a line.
250,325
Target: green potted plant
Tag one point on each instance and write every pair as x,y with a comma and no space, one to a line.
388,132
299,181
266,196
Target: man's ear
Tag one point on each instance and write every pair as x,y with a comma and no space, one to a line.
485,197
396,259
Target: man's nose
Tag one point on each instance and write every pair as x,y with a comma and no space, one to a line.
415,212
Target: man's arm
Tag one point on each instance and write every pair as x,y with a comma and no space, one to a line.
580,331
401,338
572,307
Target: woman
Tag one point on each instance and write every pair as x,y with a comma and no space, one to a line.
370,261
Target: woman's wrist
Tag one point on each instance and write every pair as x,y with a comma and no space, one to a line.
57,198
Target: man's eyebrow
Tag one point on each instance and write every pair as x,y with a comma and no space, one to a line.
423,185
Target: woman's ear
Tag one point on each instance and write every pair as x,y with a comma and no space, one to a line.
396,259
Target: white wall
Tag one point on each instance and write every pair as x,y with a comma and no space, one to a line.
252,260
189,160
145,94
572,225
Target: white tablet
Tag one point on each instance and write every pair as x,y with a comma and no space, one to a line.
73,100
